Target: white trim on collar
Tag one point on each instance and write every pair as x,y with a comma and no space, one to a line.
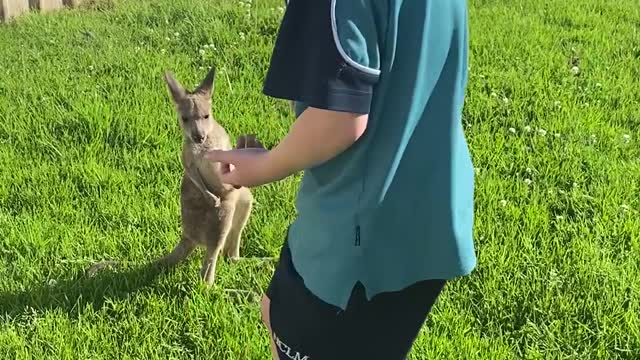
336,39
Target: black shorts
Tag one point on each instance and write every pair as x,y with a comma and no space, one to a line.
306,328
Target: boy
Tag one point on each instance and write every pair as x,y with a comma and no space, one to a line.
385,208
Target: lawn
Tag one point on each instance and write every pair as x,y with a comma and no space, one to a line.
89,170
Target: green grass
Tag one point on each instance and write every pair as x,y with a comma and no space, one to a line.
89,170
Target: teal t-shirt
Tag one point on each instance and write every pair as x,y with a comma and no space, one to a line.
396,207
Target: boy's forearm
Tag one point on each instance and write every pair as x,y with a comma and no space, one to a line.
315,137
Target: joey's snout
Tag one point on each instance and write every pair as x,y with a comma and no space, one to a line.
197,137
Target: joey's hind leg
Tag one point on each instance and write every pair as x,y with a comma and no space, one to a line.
208,271
182,250
240,218
215,243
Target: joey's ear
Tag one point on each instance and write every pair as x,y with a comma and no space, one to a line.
206,87
176,90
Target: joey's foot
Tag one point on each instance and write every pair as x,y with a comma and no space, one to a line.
207,274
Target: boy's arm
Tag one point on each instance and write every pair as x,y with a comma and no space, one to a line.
315,137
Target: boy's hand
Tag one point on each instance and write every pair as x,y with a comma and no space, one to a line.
245,165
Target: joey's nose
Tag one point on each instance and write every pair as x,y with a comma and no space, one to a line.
197,138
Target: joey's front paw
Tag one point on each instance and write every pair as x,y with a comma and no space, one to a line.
214,199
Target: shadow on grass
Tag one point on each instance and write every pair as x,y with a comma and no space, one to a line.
74,294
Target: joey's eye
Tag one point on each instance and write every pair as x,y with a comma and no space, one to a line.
185,119
206,116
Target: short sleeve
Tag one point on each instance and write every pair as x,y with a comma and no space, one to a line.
327,55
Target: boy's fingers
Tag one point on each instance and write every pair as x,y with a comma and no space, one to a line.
219,156
212,155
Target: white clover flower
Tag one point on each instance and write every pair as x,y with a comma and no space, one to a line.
542,132
557,104
527,128
167,38
624,207
202,52
575,70
559,217
512,130
528,170
598,85
242,35
503,203
556,135
205,46
176,34
162,51
505,100
528,181
626,138
493,94
476,170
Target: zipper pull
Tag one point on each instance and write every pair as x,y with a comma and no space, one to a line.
357,242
